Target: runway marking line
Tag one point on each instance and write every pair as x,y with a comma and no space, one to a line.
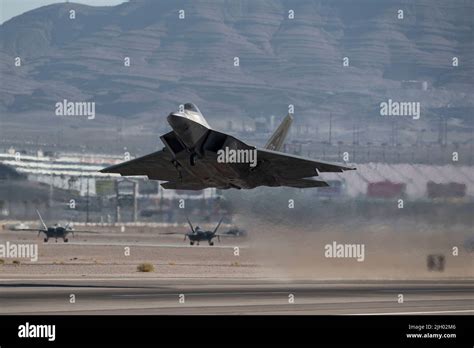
430,312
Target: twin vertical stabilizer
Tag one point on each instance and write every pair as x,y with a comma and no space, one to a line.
276,141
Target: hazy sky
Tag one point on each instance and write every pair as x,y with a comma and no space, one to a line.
12,8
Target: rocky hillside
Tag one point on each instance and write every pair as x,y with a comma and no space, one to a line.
282,60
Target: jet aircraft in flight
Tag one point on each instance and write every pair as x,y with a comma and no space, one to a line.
196,157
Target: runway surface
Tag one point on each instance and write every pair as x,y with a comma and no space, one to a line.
151,245
219,296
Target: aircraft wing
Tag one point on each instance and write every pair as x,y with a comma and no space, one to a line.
289,167
157,166
225,235
83,231
32,229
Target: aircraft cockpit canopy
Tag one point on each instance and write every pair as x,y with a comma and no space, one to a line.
191,107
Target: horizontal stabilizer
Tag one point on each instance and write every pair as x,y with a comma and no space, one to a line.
302,183
183,185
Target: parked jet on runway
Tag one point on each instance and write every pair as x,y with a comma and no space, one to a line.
198,235
196,157
56,231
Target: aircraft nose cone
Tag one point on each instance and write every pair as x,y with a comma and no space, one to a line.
188,131
176,121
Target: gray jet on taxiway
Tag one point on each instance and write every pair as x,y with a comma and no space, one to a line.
198,235
56,231
196,157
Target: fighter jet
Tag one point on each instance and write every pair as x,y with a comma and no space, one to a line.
196,157
198,235
56,231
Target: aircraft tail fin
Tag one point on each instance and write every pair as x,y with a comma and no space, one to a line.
190,224
277,139
217,227
41,219
215,230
